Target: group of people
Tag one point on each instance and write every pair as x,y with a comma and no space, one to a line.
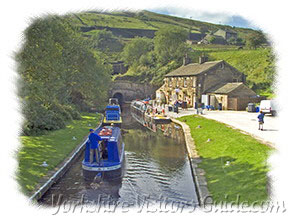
181,103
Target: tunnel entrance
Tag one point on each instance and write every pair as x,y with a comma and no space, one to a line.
120,97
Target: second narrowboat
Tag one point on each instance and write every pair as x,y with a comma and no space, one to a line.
147,115
112,113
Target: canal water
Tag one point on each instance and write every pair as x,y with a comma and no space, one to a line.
156,169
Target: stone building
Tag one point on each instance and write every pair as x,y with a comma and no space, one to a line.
213,39
195,82
226,34
232,96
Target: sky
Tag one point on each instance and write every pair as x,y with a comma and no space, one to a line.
216,17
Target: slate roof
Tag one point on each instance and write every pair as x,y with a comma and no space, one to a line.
193,69
230,31
226,88
227,30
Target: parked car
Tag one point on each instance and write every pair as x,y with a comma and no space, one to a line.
268,107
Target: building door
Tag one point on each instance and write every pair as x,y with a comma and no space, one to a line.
193,100
232,104
213,101
205,99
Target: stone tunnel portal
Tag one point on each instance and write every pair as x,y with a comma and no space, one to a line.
120,97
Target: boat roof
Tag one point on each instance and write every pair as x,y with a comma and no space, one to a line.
140,102
113,137
112,106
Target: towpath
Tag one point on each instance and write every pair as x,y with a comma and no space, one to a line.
245,121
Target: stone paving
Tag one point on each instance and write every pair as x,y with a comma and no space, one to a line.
247,122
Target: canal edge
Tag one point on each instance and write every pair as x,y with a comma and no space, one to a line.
198,174
64,166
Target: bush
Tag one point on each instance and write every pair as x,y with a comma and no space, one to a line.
72,111
41,118
60,109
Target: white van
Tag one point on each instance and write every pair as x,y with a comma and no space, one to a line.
268,107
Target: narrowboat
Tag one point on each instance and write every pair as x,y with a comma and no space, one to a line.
110,155
145,114
112,113
138,109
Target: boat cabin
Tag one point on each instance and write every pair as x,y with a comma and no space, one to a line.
110,149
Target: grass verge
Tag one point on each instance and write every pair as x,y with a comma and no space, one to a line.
235,164
52,147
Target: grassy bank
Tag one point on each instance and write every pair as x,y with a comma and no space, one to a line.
53,148
235,163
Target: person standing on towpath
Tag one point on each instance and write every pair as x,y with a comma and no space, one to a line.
261,120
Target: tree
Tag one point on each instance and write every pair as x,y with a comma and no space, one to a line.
170,44
255,39
138,47
203,29
56,68
211,39
105,41
232,41
240,41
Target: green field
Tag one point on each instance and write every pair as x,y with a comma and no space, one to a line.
235,164
144,20
53,148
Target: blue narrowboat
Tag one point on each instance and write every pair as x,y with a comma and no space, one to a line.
110,155
112,113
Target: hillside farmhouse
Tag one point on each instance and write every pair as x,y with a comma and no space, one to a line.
226,34
213,39
208,82
219,37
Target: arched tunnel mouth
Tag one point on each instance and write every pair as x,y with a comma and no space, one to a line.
120,98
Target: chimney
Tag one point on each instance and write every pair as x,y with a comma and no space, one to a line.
186,60
203,58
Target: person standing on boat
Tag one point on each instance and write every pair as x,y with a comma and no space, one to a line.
94,139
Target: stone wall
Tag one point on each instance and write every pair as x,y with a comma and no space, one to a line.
132,33
222,74
240,104
187,89
131,91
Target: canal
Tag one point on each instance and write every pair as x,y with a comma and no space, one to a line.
156,169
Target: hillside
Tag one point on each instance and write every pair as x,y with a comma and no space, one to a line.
145,20
258,65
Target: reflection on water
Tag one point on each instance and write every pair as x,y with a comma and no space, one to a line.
156,167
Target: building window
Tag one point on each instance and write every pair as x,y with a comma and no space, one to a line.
194,82
185,82
170,82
